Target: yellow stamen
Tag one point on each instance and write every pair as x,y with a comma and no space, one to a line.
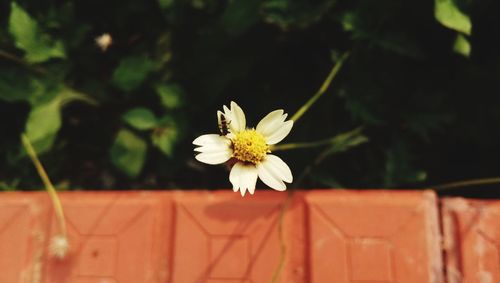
249,146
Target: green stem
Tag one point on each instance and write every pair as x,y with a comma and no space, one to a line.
299,145
319,158
467,183
46,181
11,57
324,87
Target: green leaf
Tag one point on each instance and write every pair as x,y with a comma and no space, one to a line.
287,14
398,43
166,136
131,72
361,28
42,91
15,85
399,167
128,153
198,4
171,96
240,15
140,118
69,94
44,121
349,21
462,45
38,47
165,4
447,13
9,186
424,123
345,141
164,140
19,85
361,110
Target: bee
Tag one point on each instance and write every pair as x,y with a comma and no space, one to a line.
223,123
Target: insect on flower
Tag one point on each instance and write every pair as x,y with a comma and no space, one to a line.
250,149
223,123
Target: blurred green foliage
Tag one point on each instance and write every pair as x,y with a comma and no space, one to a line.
422,81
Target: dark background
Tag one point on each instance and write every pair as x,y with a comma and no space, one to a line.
431,114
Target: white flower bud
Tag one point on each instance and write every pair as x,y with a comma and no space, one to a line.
104,41
59,246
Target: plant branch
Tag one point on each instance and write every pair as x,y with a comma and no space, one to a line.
319,158
324,87
46,181
466,183
299,145
11,57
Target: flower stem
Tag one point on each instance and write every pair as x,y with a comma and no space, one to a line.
324,87
299,145
467,183
48,184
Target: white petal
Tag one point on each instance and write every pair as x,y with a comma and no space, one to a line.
210,139
216,157
243,190
280,133
243,177
236,118
273,127
213,143
273,171
272,121
214,149
219,114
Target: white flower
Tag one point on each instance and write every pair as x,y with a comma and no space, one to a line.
249,147
104,41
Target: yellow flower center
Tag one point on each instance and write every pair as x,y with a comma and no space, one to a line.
249,146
